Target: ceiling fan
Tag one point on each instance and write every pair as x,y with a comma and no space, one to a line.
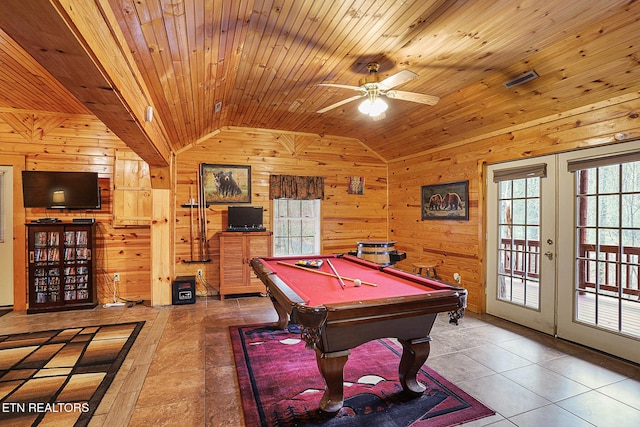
373,88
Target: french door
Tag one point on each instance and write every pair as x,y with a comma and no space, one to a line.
563,246
599,238
521,259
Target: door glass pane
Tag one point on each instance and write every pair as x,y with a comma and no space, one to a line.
505,190
630,319
518,231
608,179
587,211
533,234
533,187
608,247
519,245
608,213
519,188
519,211
533,212
631,180
630,216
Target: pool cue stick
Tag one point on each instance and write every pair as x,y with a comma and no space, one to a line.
201,214
205,226
323,273
203,222
336,273
198,219
191,219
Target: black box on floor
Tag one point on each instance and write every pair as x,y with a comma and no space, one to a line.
184,290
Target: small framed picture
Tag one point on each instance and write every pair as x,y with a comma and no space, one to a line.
448,200
356,185
225,184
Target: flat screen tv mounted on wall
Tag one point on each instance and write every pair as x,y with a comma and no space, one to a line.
61,190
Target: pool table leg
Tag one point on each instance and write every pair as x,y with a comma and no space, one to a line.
283,316
414,354
331,366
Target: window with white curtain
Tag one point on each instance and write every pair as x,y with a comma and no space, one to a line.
296,227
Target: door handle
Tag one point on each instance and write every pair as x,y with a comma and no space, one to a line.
549,255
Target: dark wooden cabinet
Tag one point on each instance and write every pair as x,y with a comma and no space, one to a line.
61,268
236,251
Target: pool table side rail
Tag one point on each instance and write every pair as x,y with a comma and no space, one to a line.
280,290
405,306
445,299
324,257
428,281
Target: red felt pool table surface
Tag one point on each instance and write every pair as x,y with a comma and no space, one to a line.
317,289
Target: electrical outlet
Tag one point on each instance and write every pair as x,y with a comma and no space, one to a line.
457,278
199,273
116,277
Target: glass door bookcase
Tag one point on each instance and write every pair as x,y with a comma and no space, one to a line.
61,270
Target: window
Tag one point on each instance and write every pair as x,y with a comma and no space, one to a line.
296,227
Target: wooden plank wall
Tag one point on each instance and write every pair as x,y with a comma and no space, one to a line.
83,143
457,246
346,218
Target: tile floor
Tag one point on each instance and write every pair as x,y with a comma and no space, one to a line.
180,371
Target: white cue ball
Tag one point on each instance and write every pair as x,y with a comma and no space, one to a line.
357,282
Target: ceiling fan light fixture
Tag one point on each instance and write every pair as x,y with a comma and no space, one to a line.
373,108
373,88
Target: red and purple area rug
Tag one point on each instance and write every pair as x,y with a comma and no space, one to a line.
280,385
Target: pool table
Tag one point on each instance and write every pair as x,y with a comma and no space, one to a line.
335,315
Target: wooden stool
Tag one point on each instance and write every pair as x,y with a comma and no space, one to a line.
425,270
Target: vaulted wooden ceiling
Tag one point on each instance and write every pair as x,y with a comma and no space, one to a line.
261,62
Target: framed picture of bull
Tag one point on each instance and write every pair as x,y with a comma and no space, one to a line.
449,200
225,184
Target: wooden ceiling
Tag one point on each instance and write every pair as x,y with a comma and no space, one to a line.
261,63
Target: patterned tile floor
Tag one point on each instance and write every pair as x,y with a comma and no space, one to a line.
181,372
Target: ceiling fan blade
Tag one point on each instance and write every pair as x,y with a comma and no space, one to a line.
397,79
337,104
413,97
341,86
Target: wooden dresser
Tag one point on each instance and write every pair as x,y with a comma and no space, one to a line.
236,250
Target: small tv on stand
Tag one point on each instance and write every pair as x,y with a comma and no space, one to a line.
245,218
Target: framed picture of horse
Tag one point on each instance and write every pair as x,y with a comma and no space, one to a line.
449,200
225,184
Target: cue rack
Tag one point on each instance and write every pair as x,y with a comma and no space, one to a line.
198,213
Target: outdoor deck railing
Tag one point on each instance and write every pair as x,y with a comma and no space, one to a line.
616,267
521,257
613,266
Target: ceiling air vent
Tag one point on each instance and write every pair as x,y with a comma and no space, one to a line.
526,77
